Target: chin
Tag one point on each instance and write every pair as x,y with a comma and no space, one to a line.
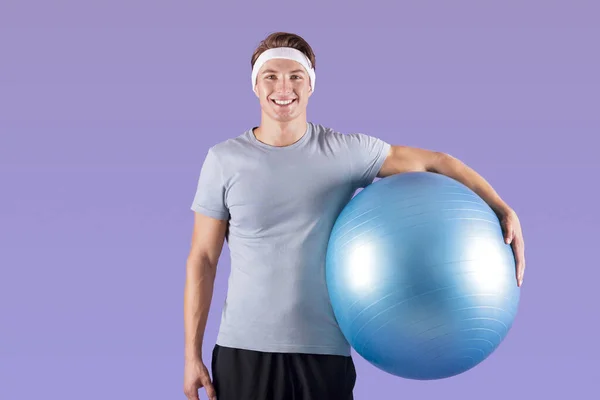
283,115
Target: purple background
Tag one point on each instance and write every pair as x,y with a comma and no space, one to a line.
106,113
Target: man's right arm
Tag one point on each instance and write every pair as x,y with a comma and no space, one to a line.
201,266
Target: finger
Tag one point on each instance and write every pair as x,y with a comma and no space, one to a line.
522,274
520,260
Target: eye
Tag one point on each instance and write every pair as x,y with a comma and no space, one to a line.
296,77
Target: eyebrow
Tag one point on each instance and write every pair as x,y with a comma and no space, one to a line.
270,71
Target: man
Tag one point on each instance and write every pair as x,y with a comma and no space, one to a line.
274,193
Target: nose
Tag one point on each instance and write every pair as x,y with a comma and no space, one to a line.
283,86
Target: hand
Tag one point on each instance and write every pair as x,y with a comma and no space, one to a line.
196,376
513,235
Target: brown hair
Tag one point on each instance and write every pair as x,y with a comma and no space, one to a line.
283,39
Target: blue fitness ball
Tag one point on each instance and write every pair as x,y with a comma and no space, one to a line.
420,279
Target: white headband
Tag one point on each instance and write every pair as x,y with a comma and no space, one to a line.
288,53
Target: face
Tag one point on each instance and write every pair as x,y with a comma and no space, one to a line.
283,87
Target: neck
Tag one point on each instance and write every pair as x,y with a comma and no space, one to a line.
280,134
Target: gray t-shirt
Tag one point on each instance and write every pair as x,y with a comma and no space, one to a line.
281,203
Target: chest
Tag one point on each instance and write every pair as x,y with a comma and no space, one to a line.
263,197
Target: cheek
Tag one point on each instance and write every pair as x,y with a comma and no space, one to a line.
302,88
265,88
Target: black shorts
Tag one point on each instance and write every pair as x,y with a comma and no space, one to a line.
252,375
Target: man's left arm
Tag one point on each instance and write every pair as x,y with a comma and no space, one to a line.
410,159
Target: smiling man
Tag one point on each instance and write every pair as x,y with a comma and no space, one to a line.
274,193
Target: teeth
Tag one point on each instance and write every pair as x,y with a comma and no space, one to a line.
283,102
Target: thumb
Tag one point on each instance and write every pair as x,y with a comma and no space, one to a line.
508,233
208,386
192,394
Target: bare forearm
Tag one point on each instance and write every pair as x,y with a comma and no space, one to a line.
456,169
198,294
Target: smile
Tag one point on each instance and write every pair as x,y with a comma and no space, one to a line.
283,102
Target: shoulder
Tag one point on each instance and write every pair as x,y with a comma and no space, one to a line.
348,139
326,131
229,149
328,134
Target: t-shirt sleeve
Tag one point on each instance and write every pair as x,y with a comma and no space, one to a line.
367,155
209,199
